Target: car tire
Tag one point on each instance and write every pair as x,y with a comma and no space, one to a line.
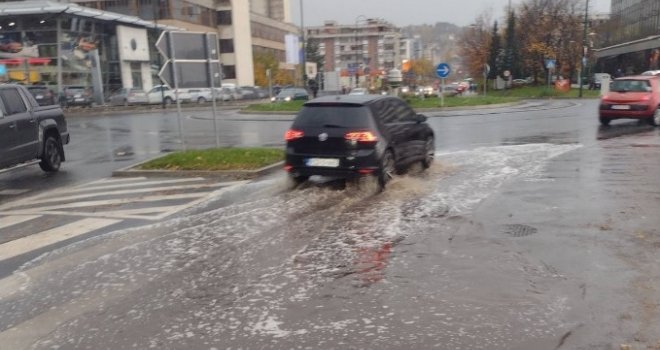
387,169
655,119
604,121
429,152
201,100
294,181
125,103
51,158
168,100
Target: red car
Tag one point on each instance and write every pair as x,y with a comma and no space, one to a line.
634,97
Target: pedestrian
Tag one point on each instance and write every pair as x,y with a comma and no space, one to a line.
314,86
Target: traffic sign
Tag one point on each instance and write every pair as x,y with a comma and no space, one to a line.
550,64
195,54
442,70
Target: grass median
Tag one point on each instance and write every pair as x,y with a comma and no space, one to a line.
217,159
493,97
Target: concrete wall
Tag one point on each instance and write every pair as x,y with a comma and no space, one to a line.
242,42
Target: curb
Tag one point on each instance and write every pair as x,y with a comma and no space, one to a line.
85,112
132,171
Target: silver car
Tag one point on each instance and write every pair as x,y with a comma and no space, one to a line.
127,97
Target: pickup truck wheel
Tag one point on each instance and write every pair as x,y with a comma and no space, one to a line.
51,159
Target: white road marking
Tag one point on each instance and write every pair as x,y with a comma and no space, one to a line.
46,238
115,202
12,192
15,220
116,180
116,193
135,184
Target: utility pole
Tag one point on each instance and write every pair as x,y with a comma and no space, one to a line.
304,54
156,16
584,47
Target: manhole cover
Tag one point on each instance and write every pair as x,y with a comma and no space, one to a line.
518,230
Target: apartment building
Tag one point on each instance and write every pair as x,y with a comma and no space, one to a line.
365,48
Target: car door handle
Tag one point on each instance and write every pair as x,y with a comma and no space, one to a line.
32,121
11,126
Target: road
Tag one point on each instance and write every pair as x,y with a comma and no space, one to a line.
535,229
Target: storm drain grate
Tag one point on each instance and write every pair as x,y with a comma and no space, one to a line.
518,230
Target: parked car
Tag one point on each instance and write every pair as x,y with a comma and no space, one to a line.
253,92
76,96
354,136
633,97
359,91
291,94
42,94
162,92
128,96
234,92
652,72
200,95
596,80
29,131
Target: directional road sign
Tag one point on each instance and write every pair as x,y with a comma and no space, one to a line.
191,56
550,64
442,70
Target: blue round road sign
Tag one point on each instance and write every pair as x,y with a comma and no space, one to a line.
442,70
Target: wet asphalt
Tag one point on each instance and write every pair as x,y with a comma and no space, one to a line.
535,229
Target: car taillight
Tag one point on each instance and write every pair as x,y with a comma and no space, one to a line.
293,134
361,136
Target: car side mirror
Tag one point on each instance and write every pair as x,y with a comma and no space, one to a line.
421,118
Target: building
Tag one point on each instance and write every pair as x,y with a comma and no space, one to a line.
243,27
365,48
63,44
630,40
109,44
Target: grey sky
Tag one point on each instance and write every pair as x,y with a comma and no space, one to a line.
406,12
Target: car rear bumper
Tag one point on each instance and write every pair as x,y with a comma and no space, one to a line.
614,114
364,162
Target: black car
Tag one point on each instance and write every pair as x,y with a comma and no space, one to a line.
353,136
76,96
291,94
43,95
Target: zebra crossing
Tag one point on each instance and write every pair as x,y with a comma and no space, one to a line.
37,222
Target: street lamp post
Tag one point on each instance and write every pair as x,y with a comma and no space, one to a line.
358,51
583,62
304,54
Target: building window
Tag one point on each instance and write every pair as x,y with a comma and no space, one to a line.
224,18
228,72
226,45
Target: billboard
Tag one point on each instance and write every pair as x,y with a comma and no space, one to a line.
292,44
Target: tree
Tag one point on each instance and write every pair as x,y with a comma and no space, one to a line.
263,62
313,53
473,45
495,54
511,55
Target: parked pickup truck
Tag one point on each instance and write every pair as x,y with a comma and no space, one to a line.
29,131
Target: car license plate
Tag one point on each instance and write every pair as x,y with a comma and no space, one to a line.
323,162
39,96
621,107
80,99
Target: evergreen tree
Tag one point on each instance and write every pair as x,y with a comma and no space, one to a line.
313,54
512,55
495,53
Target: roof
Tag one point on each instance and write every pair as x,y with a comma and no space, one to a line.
347,99
37,7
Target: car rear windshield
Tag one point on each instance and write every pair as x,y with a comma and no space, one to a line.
630,85
333,116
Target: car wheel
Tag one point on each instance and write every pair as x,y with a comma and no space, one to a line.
387,169
51,158
125,103
295,181
605,121
655,121
168,100
429,153
201,100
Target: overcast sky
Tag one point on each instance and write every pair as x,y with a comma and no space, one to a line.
406,12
